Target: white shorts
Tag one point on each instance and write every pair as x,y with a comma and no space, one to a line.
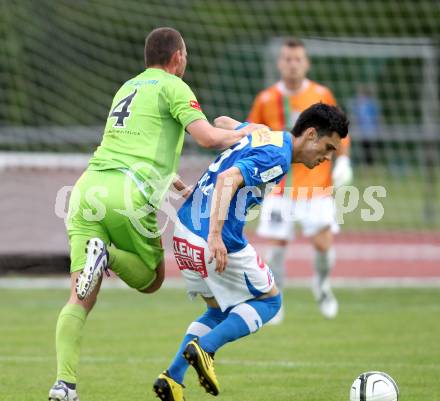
246,276
279,215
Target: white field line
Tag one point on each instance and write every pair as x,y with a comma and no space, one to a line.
114,283
228,362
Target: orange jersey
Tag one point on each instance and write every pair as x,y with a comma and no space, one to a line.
279,110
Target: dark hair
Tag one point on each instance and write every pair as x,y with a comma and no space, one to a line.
324,118
160,45
293,42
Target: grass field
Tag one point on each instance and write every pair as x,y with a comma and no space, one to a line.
130,338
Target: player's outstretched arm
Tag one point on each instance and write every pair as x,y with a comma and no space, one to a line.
226,122
226,186
211,137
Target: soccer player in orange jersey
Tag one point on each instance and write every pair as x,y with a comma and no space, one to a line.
304,195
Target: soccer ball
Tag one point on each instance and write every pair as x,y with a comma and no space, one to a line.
374,386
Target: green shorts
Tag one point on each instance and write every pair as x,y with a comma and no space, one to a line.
108,205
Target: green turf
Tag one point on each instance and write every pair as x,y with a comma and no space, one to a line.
130,338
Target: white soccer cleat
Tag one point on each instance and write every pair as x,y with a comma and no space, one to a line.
328,304
96,263
60,392
278,318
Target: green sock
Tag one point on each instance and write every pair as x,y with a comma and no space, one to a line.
68,341
130,268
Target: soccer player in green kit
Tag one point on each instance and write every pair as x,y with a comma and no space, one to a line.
112,207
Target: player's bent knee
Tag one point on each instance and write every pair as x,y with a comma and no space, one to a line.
274,306
153,287
258,312
322,247
156,283
279,242
323,241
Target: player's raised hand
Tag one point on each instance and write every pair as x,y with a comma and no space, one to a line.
247,129
217,251
180,188
252,127
226,122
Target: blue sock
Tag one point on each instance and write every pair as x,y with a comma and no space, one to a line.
211,318
243,319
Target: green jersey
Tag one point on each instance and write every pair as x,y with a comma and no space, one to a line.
144,132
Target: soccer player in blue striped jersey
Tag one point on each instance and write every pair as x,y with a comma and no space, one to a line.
211,251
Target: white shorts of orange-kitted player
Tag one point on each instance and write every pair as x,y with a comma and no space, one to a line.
279,214
246,276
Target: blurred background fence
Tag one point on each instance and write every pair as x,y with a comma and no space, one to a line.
61,62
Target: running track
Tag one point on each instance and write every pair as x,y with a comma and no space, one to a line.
368,255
